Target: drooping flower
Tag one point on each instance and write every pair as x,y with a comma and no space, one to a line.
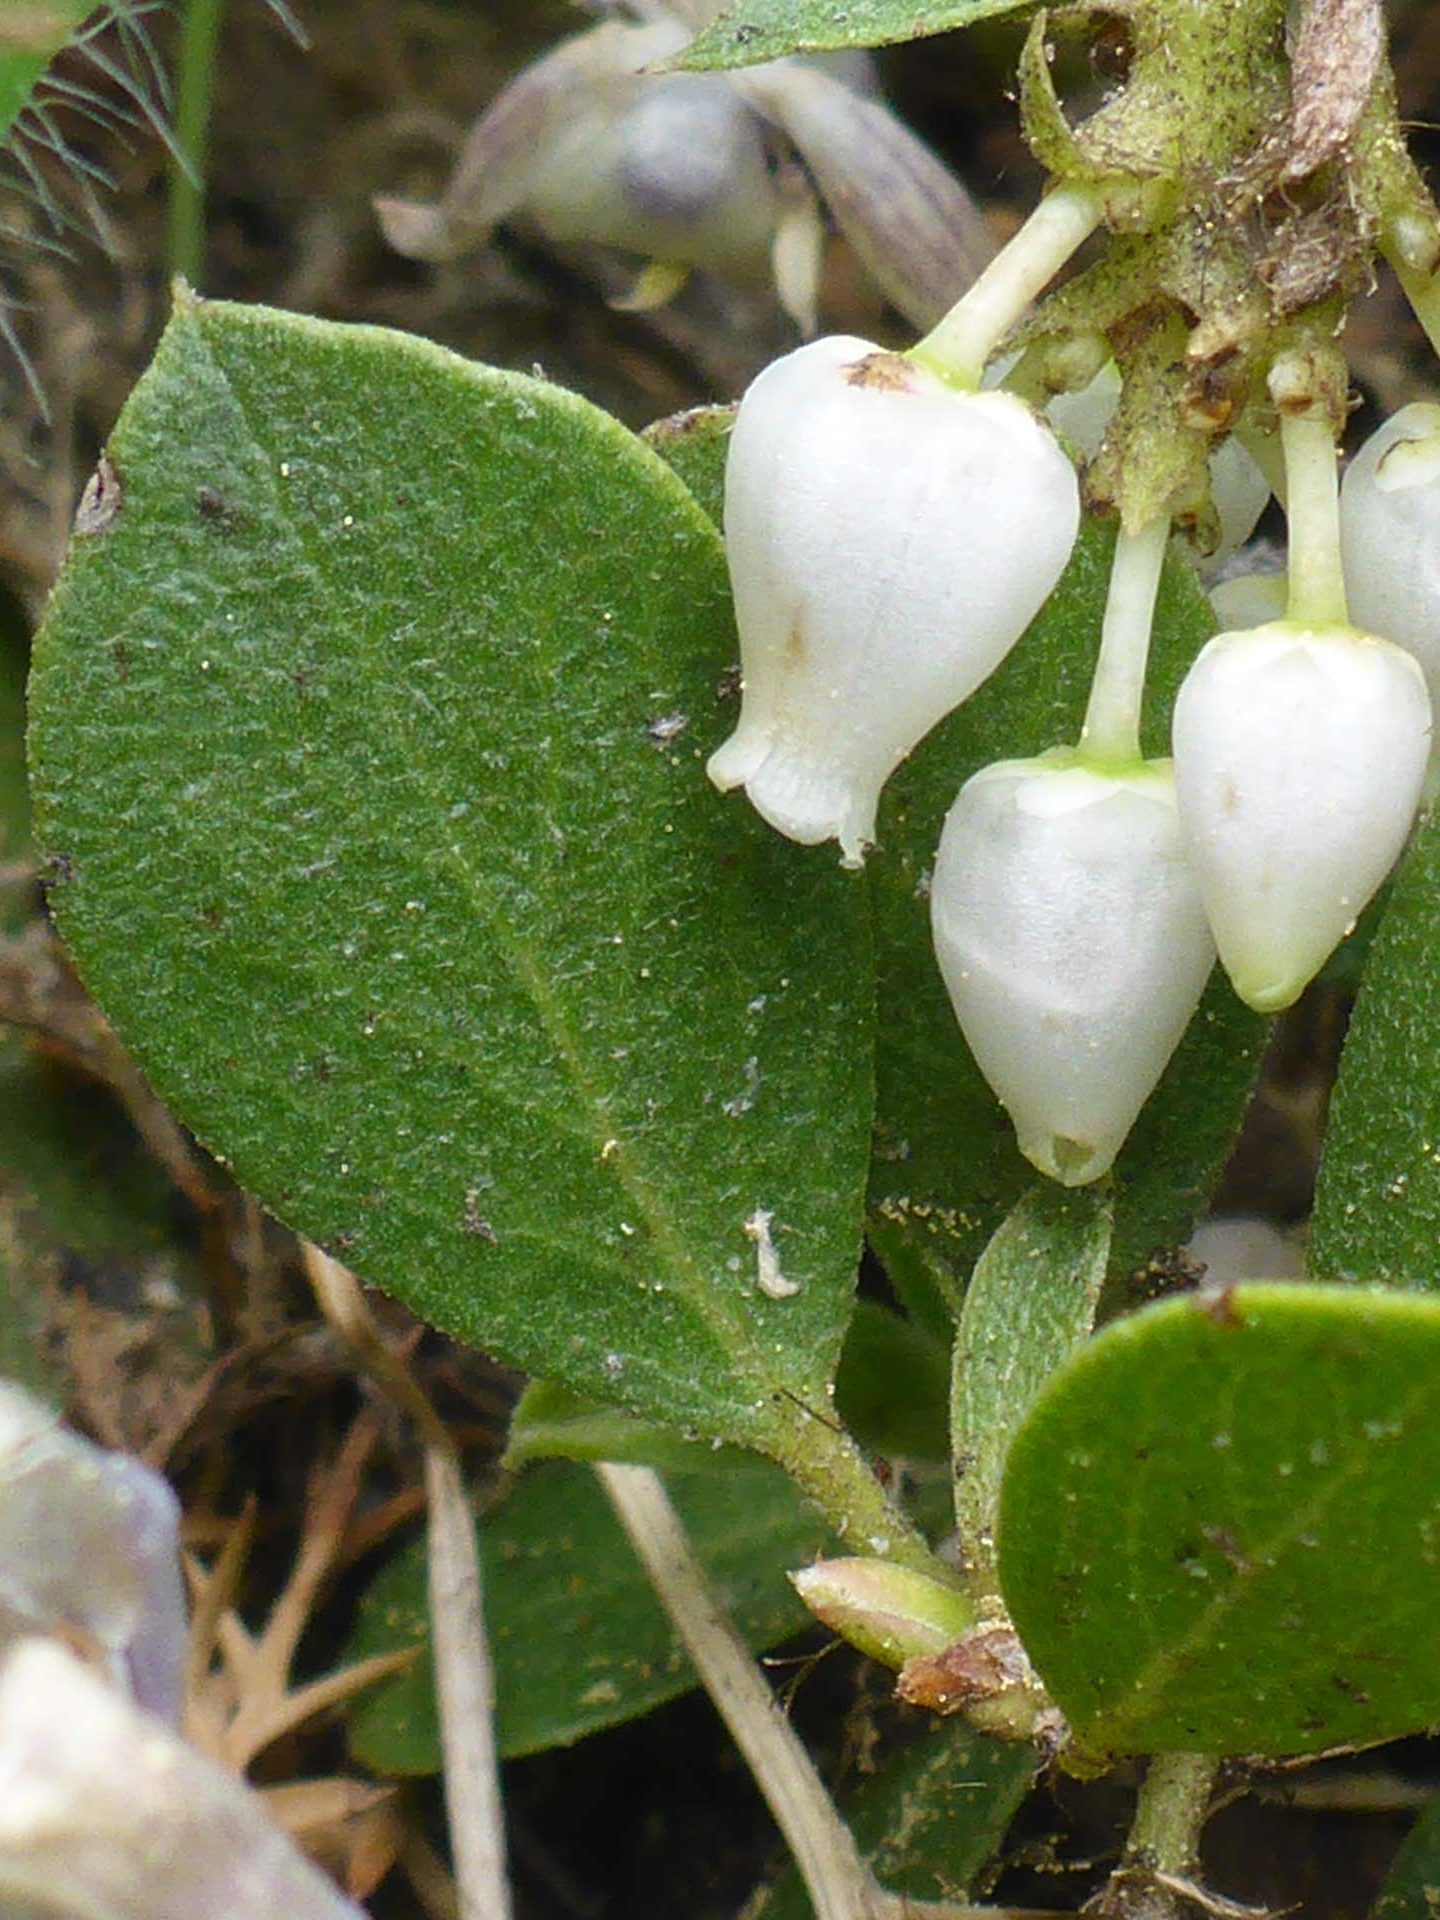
1071,935
597,144
889,540
1300,756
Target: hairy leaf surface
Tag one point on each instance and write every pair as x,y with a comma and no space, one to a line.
369,729
1377,1205
1220,1525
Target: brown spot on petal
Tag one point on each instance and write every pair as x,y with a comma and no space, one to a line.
886,372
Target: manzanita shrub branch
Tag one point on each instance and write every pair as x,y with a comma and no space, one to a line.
422,912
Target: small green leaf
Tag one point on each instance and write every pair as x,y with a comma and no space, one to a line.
754,30
1220,1524
579,1640
1412,1886
931,1819
1030,1304
1377,1204
368,733
890,1614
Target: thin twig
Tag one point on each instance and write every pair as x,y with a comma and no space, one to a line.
464,1685
840,1885
464,1679
1191,1893
342,1302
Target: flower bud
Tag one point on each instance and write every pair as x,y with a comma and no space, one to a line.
1390,535
890,1613
1071,936
889,540
1299,758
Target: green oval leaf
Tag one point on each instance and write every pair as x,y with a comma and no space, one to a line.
579,1640
368,737
1220,1525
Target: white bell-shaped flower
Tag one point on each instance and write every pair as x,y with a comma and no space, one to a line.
889,540
1300,755
1074,944
1390,535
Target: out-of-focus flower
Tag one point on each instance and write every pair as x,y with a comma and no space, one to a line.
594,143
105,1814
89,1543
1300,755
889,540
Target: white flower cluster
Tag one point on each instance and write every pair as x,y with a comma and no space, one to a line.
892,533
